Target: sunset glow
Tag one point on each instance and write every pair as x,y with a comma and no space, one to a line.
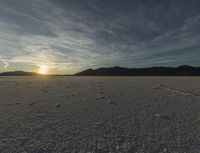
43,69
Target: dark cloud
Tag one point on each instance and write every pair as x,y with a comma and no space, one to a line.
93,33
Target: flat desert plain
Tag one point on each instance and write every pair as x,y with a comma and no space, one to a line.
99,114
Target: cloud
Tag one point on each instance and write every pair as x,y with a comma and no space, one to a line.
5,62
73,35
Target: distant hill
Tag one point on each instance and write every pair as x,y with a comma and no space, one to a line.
183,70
18,73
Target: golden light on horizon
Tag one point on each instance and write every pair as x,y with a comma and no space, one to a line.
43,69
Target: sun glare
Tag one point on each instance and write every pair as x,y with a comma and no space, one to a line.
43,69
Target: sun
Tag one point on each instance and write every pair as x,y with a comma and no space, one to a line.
43,69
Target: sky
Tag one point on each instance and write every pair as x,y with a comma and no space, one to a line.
69,36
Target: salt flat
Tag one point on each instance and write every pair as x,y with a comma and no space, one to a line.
99,114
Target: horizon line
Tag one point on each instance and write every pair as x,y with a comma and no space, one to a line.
57,74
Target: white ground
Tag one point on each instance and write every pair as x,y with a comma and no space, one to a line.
99,114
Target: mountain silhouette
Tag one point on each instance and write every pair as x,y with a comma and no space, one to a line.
184,70
18,73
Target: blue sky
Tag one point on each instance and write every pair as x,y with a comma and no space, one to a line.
72,35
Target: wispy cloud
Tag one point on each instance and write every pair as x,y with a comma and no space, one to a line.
5,62
73,35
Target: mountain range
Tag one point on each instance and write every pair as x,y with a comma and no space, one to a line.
184,70
18,73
